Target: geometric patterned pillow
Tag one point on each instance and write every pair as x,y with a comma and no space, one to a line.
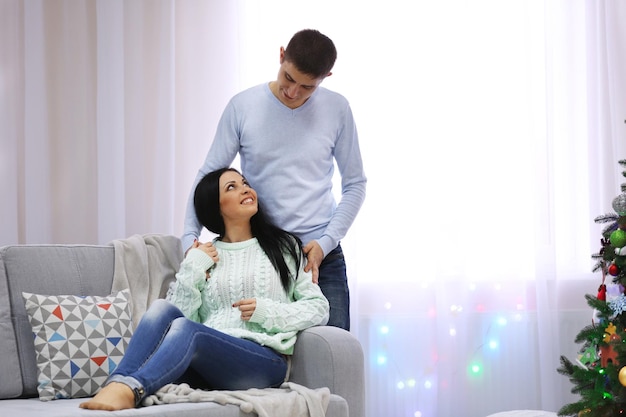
79,341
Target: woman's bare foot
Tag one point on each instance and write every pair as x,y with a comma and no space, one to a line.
114,396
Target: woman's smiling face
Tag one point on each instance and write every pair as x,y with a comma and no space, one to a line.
237,199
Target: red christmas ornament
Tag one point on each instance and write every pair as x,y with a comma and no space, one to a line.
613,270
602,292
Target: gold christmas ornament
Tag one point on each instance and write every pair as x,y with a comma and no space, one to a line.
622,376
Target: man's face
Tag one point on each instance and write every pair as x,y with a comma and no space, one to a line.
293,87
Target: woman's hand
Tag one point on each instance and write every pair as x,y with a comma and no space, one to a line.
209,249
247,307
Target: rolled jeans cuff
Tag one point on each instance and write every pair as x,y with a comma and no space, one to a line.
132,383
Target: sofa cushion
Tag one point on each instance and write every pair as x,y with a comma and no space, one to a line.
9,387
41,269
78,341
32,407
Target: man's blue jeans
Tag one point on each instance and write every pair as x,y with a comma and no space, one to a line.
166,346
333,282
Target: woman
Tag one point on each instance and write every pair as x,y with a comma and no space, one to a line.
233,316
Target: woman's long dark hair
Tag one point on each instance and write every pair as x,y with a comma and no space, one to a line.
274,241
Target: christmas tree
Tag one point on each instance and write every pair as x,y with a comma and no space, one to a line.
599,373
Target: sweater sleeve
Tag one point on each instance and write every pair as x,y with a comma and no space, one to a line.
222,152
309,308
190,284
353,183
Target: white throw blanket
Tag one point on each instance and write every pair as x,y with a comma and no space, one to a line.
290,400
146,264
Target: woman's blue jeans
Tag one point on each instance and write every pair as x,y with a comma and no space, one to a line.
167,347
333,282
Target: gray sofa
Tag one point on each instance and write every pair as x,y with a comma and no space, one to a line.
323,357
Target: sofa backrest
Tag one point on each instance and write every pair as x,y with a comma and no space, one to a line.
49,270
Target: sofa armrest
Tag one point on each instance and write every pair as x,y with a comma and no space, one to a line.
326,356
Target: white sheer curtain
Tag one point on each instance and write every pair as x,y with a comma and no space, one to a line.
110,107
490,131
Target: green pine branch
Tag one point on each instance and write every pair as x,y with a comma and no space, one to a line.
590,385
605,218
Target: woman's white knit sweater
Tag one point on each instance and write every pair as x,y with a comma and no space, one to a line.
244,271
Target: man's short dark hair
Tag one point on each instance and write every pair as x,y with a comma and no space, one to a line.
312,53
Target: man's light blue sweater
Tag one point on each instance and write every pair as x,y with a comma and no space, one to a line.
287,156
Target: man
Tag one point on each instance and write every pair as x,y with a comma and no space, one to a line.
289,133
